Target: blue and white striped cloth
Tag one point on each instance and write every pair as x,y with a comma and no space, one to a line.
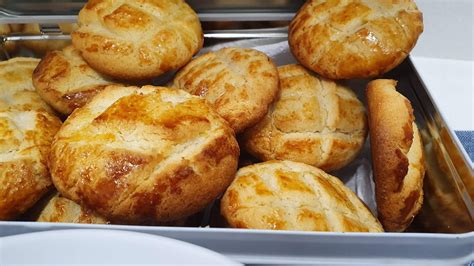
466,137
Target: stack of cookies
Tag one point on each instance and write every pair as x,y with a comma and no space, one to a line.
130,152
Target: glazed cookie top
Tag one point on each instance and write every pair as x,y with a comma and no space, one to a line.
137,39
285,195
344,39
313,120
65,81
239,84
27,128
144,155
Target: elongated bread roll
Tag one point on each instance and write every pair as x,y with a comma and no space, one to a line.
397,155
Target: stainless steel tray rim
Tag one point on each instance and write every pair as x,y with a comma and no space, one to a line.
240,232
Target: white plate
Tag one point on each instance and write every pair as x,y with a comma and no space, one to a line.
102,247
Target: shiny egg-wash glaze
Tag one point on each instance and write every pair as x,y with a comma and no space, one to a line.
313,120
27,128
144,155
346,39
65,81
286,195
239,84
137,40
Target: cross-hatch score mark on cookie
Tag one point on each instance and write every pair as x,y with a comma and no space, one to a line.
354,39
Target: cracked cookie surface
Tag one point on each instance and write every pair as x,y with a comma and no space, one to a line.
144,155
313,120
27,128
65,81
285,195
344,39
238,83
136,40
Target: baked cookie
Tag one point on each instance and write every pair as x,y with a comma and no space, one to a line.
239,84
62,210
313,120
27,127
285,195
354,38
65,81
15,74
144,155
397,155
137,39
16,87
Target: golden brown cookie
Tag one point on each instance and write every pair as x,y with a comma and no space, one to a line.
16,87
354,39
65,81
313,120
144,155
137,39
285,195
15,74
27,128
62,210
59,209
239,84
397,155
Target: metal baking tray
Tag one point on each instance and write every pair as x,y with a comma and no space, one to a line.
441,233
35,11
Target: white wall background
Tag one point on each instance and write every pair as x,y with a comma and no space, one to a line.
448,29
